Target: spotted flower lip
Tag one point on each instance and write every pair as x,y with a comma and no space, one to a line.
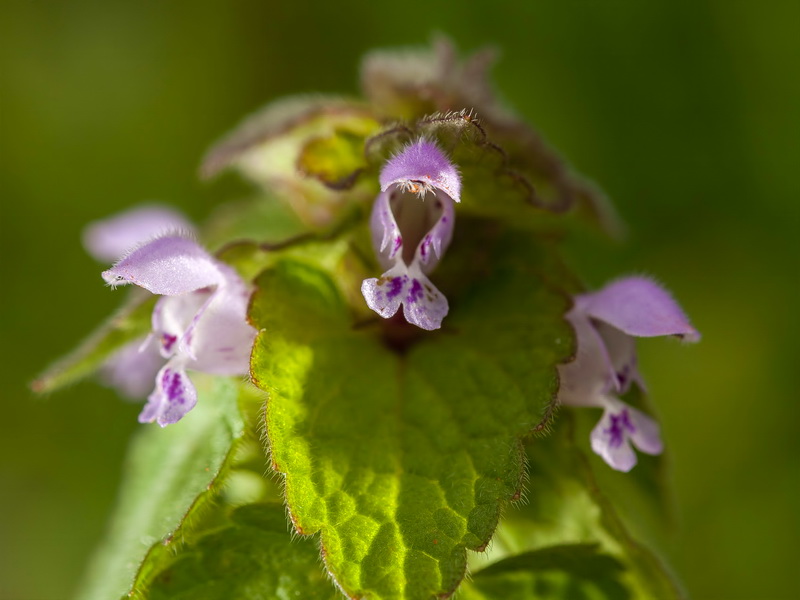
605,366
199,324
620,426
412,226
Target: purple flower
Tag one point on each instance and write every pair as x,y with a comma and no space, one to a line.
606,323
412,224
200,324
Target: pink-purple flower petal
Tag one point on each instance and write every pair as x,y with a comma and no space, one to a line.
639,307
173,318
168,266
422,163
109,239
174,396
620,425
423,304
619,353
385,295
386,237
222,341
132,369
646,435
609,441
585,379
433,245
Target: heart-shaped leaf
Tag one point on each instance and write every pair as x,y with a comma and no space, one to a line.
401,447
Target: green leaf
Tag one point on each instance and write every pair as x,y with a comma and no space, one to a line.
171,476
132,321
271,148
252,557
260,219
402,446
338,159
577,571
567,506
279,129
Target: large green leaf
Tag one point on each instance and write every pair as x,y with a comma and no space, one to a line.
400,446
171,475
252,557
575,572
568,505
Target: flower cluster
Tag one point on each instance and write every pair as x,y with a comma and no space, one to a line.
200,323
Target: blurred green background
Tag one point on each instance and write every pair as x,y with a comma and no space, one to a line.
686,112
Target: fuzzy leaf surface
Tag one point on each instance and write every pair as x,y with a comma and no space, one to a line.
402,447
251,557
170,473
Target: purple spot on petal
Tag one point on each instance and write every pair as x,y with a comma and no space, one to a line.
415,293
173,386
398,242
168,341
621,425
626,421
423,248
395,287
